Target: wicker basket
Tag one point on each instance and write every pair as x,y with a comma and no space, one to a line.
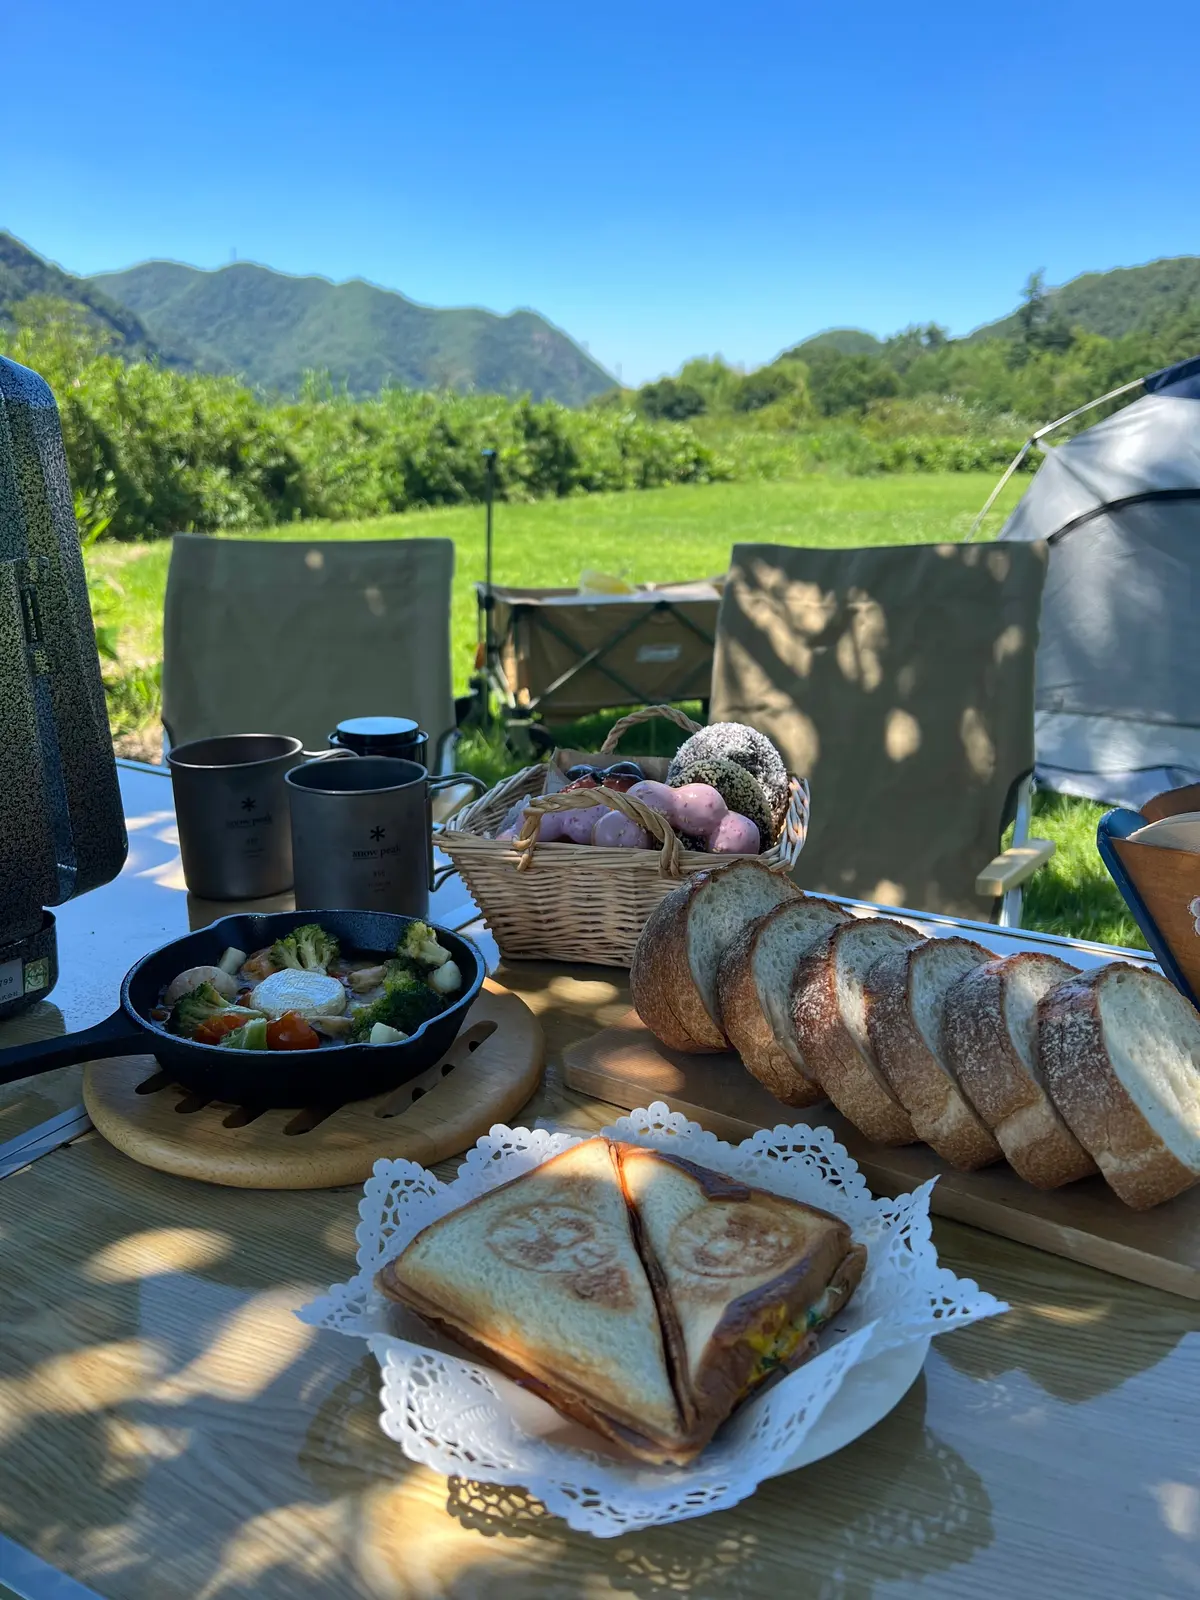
568,902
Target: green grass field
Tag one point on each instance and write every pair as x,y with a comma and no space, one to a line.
657,535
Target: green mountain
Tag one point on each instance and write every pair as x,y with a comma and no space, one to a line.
270,329
24,274
842,341
1127,300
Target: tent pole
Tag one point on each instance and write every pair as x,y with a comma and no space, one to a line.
1036,438
995,494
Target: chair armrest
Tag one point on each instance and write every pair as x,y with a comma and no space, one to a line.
1013,866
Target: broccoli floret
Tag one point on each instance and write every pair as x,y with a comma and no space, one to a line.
405,1004
307,949
251,1036
420,944
201,1003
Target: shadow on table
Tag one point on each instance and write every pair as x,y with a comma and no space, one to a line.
898,1503
1076,1331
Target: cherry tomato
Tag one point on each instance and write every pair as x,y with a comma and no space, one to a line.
291,1032
215,1029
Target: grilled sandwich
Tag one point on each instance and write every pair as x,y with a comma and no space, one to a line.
638,1293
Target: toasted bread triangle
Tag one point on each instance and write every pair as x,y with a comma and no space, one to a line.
734,1267
586,1331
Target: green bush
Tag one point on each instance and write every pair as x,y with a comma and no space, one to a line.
840,384
763,388
672,399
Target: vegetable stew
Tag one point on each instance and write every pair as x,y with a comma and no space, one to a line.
304,993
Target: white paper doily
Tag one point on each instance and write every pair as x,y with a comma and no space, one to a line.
466,1420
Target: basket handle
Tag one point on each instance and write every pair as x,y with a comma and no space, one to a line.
616,800
650,714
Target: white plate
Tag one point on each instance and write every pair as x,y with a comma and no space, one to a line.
868,1392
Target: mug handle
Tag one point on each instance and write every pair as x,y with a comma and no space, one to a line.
332,754
452,778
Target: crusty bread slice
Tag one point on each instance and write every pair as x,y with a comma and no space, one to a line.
989,1032
829,1013
754,987
744,1278
674,974
542,1275
905,997
1120,1049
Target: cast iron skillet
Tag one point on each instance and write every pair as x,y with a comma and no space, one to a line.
331,1075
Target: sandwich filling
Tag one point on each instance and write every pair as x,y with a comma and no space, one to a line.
777,1341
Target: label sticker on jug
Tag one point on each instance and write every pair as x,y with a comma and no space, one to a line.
12,981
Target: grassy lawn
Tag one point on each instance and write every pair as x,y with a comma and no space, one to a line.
663,535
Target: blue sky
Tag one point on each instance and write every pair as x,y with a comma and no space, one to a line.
660,179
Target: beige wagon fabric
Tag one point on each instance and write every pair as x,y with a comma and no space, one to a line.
291,636
637,653
899,681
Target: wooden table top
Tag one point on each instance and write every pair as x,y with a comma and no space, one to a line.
169,1429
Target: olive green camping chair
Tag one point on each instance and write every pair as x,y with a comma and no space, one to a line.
899,682
292,636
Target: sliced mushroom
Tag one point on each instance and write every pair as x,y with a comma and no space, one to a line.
221,981
364,978
332,1027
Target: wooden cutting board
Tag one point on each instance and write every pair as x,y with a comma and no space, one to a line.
487,1075
1083,1221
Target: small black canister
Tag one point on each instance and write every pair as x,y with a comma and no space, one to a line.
399,737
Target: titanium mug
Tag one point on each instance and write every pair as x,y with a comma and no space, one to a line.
231,805
361,834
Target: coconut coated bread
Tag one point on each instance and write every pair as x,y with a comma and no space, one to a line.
990,1035
1120,1050
754,987
905,1000
674,974
830,1017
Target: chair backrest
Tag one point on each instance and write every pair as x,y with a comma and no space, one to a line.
899,681
291,636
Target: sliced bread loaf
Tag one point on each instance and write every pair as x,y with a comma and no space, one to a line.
989,1032
905,999
829,1016
674,974
754,987
1120,1049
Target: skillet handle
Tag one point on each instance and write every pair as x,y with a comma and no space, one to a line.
115,1036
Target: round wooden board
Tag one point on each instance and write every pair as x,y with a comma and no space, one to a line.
488,1074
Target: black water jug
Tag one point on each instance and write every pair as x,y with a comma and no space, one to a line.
62,831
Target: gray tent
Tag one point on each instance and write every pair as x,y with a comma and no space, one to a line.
1118,665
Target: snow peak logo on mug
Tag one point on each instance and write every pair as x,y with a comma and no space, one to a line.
248,819
382,849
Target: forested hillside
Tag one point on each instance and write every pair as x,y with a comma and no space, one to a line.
270,329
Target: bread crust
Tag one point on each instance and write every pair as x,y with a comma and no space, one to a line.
1035,1139
829,1048
664,992
1094,1102
776,1062
941,1114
